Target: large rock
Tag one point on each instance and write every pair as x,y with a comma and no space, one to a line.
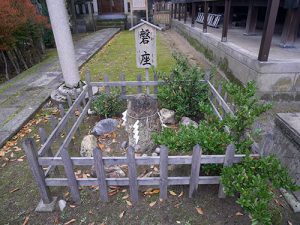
167,116
142,108
185,121
105,126
88,144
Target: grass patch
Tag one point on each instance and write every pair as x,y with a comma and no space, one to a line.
118,57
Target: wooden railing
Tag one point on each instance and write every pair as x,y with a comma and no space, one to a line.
69,124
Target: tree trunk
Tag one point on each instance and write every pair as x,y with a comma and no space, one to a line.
6,69
20,56
13,62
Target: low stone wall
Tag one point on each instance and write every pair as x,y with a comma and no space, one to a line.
286,144
276,80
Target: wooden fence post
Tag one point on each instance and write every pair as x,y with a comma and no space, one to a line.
195,170
107,88
88,83
228,161
37,171
133,185
163,167
123,87
72,182
44,136
100,171
139,88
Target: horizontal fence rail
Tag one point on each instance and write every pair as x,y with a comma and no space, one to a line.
70,124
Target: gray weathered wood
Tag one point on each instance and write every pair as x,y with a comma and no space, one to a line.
228,161
132,175
146,181
61,125
220,99
53,121
88,83
123,87
37,171
139,79
72,182
44,136
155,77
163,168
69,100
107,88
148,160
127,83
61,110
100,171
195,170
69,136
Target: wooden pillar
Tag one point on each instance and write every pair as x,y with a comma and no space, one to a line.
251,19
205,17
175,11
179,11
268,30
193,13
185,12
226,20
290,28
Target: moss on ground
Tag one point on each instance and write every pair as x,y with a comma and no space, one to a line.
118,57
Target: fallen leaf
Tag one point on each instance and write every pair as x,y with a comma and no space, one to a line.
101,146
178,222
26,220
124,190
125,197
180,195
199,210
112,192
172,193
72,206
177,205
14,190
239,214
70,221
152,204
278,202
20,160
122,214
128,203
290,223
151,192
161,200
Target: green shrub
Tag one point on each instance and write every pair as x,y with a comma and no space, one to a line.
253,180
248,107
182,90
211,137
109,105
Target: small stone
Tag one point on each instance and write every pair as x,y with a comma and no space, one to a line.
185,121
124,144
62,204
157,150
105,126
144,155
88,144
167,116
114,172
154,154
91,112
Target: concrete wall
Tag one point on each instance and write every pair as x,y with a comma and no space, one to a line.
276,80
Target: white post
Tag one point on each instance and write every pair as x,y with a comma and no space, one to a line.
95,5
125,6
83,9
63,40
77,9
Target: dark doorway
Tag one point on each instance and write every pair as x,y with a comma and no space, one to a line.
111,6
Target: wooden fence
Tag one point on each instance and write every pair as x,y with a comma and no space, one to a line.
69,124
162,13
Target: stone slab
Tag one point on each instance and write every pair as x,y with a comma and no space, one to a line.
25,95
42,207
6,113
290,125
